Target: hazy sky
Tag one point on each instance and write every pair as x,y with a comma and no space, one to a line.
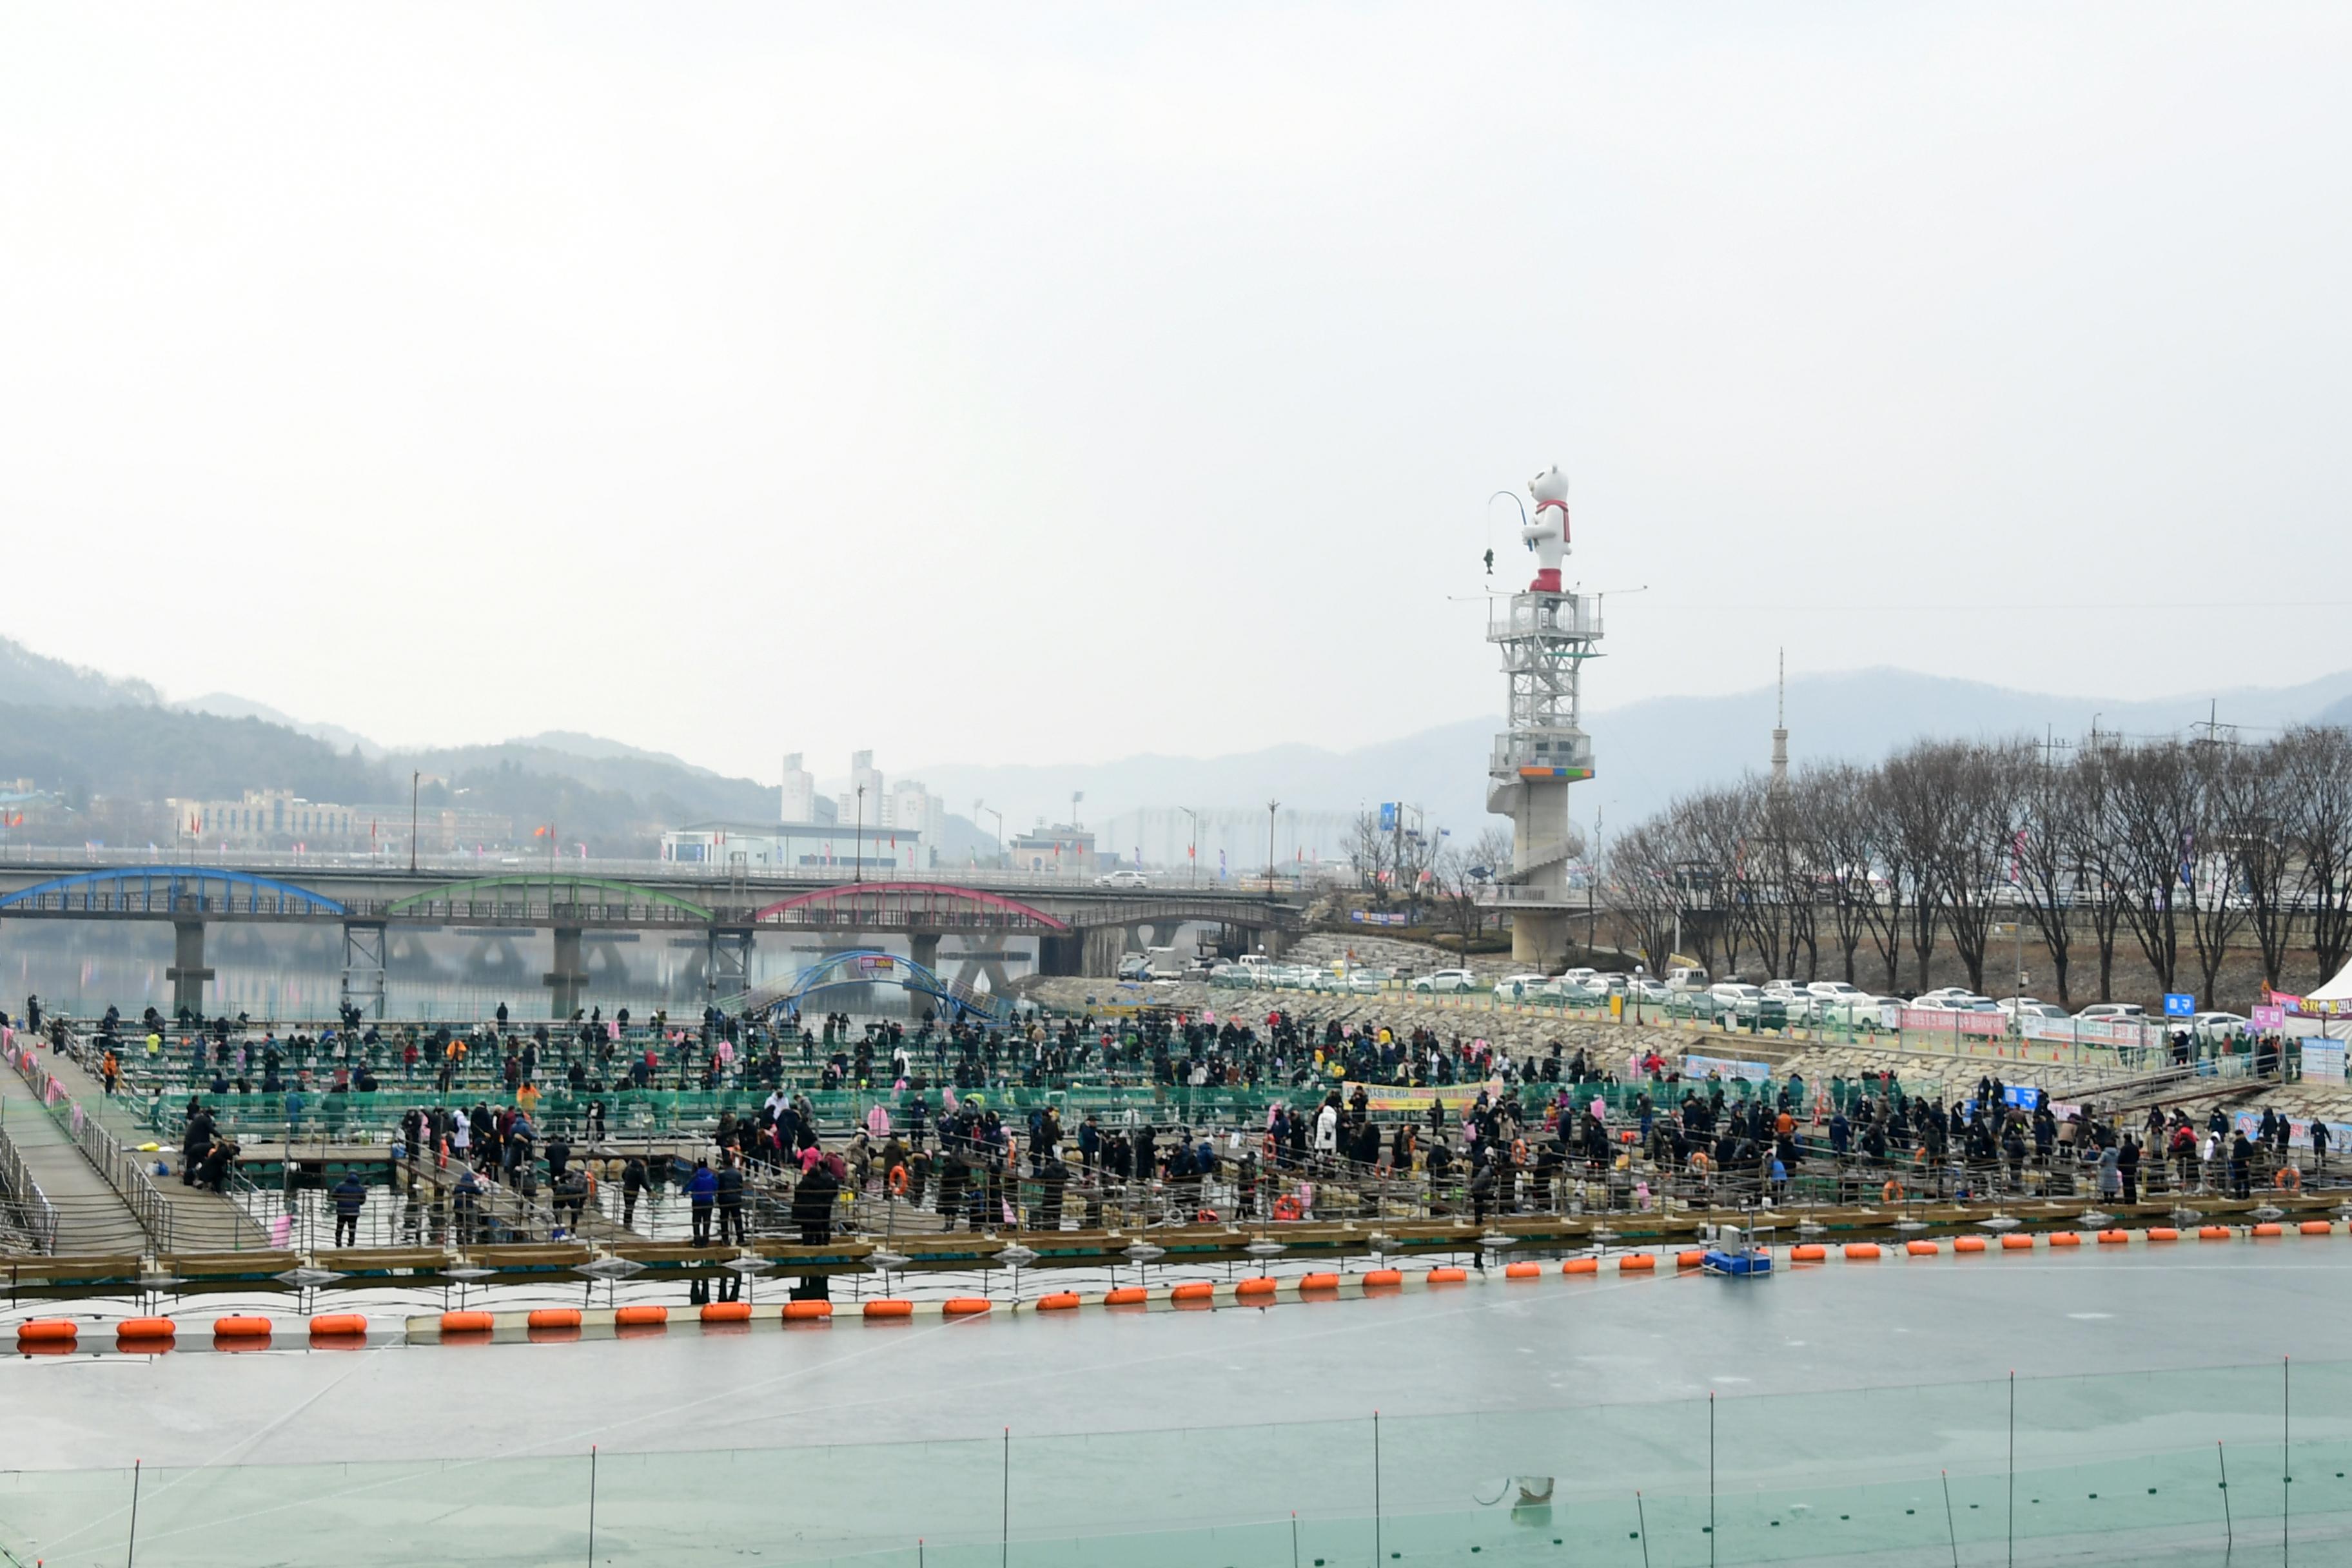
1013,383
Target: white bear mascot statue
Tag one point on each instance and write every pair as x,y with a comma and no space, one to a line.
1546,534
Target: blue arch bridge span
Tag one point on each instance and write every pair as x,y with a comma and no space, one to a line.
1073,930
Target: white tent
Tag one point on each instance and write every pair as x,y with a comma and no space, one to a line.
2336,990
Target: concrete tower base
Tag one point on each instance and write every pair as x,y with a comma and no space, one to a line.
1540,939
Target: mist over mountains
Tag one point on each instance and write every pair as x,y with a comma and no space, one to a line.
85,735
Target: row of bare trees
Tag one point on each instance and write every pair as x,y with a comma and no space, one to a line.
2189,850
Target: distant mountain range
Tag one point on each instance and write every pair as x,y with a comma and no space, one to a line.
84,733
1646,752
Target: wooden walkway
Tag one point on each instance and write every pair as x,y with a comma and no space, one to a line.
91,1217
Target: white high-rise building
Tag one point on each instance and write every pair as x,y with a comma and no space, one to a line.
800,791
862,772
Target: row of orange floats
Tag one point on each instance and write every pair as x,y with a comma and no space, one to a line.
148,1334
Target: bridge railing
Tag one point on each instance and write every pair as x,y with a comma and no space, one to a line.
27,1210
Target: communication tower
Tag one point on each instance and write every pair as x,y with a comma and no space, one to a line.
1546,633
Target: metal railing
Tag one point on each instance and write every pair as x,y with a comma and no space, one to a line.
121,1168
26,1209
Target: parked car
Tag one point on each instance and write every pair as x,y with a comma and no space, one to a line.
2218,1025
1127,876
1529,984
1444,981
1860,1011
2116,1010
2021,1007
1737,999
1834,990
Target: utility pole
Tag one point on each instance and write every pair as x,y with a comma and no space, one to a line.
1271,808
413,780
858,845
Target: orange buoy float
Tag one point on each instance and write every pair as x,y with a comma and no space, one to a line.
2114,1238
1809,1252
553,1317
1375,1279
1692,1259
1861,1249
2270,1227
1967,1244
890,1307
241,1328
1637,1262
726,1312
2212,1233
808,1311
1580,1265
1126,1295
2064,1238
966,1306
146,1328
339,1325
1445,1276
467,1324
1260,1285
1059,1302
1921,1248
1523,1270
1319,1282
1192,1290
2316,1227
2163,1233
642,1315
2016,1244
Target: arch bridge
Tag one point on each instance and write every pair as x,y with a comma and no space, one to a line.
872,966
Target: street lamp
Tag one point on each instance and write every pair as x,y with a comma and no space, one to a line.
979,806
858,844
1192,849
413,780
1271,806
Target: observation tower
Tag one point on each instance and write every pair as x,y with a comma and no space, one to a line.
1546,633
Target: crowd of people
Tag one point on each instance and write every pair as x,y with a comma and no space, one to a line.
1554,1129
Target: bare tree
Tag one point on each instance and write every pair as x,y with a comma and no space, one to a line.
2047,853
2318,770
1974,860
2101,873
1637,885
1923,814
2152,822
1712,827
1368,852
1837,825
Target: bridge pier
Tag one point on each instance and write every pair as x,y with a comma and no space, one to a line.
727,963
569,979
187,973
1106,945
364,969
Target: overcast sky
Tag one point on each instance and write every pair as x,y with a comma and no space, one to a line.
1007,384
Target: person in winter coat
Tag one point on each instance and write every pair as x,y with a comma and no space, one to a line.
702,1194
